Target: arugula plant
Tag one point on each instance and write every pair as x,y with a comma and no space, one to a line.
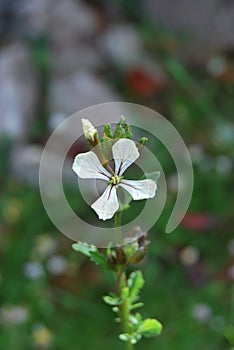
125,300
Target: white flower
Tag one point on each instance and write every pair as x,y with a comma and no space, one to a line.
125,152
88,129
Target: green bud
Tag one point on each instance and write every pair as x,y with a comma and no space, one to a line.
107,131
143,140
123,130
119,132
128,132
122,120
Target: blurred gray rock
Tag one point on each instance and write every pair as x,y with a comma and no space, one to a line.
122,44
63,20
33,16
18,90
73,92
71,20
55,120
66,58
72,28
211,20
25,163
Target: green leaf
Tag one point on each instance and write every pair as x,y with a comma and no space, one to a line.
84,248
135,283
98,258
135,338
92,252
136,306
136,320
229,334
150,328
111,300
124,337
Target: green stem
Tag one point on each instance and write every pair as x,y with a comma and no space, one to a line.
121,283
117,223
124,308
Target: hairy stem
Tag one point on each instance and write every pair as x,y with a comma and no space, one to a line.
124,308
121,283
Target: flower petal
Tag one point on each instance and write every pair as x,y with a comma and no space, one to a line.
87,166
107,205
125,153
139,189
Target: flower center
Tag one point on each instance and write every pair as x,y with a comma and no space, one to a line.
115,180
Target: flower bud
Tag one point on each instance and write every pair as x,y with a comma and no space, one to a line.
89,130
111,261
121,256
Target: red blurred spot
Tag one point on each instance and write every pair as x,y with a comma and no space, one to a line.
142,83
198,221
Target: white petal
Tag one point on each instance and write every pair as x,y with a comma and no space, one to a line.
107,205
140,189
87,166
125,153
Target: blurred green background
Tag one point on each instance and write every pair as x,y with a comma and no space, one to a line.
59,57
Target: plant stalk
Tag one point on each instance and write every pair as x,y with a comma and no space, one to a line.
120,284
117,223
124,308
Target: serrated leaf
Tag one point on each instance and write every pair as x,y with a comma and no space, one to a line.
98,258
84,248
91,251
135,283
150,328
